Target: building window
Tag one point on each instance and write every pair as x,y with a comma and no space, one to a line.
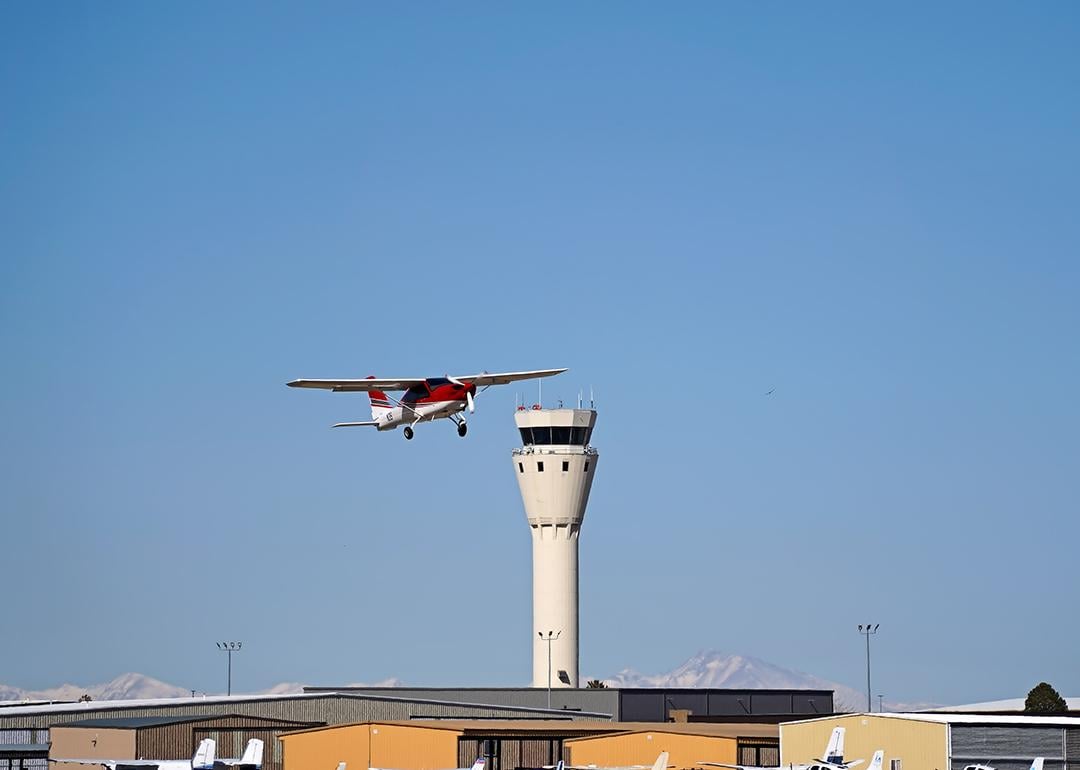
540,467
586,466
896,764
565,466
521,467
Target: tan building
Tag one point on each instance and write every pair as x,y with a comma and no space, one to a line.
437,745
165,738
939,741
687,745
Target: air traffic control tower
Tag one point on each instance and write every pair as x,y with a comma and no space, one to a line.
555,467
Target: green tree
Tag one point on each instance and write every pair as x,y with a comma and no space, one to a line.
1044,699
595,684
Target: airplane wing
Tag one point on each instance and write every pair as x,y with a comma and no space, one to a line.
503,378
345,386
354,424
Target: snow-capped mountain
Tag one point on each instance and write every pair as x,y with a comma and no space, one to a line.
716,669
123,687
138,686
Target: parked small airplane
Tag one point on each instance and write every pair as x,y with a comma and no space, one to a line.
1036,764
833,759
425,398
477,765
661,763
203,759
252,757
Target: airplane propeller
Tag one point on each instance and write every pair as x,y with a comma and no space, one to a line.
468,393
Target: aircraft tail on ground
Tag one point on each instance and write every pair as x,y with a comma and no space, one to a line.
479,764
834,752
876,762
380,404
661,761
204,755
253,753
1037,764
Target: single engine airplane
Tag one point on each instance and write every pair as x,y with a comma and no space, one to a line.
832,760
425,398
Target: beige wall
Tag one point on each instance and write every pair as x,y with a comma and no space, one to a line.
413,748
919,745
375,745
642,748
89,743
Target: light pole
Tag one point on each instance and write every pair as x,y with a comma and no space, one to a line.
551,636
866,631
229,648
880,707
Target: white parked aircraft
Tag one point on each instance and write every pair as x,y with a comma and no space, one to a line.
833,759
477,765
661,763
1036,764
252,757
203,759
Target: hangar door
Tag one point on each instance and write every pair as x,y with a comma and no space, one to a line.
1007,747
511,753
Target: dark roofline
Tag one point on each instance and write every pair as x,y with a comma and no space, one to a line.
139,723
314,689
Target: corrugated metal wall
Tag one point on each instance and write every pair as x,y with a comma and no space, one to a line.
1072,748
1007,747
512,753
329,709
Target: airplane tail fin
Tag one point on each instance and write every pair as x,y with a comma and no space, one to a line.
204,755
380,404
478,764
876,762
253,753
340,766
661,761
834,752
1037,763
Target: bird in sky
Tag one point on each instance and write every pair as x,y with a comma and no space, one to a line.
770,392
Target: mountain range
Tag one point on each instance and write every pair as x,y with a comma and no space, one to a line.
709,668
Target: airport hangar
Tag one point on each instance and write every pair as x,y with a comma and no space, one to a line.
937,741
510,745
26,730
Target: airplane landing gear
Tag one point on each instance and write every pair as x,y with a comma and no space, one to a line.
462,429
408,433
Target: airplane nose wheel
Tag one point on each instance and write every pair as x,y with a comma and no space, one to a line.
462,429
408,433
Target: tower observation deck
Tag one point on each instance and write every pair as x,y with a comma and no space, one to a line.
555,466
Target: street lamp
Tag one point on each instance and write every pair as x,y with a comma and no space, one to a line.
866,631
229,648
549,638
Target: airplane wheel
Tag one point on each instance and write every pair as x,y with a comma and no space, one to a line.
408,433
462,430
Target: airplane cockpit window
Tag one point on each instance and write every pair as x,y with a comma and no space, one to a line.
436,382
415,392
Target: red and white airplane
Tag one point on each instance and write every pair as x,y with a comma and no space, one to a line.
425,398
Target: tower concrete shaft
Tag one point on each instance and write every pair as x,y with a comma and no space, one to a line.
555,467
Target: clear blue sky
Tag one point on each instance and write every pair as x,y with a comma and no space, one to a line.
871,210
